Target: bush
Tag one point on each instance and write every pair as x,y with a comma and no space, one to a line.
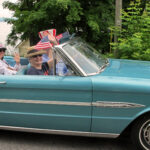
134,38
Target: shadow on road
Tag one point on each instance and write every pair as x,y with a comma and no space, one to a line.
30,141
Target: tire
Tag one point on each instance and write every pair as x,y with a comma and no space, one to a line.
140,133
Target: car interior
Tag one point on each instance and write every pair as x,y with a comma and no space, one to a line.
60,62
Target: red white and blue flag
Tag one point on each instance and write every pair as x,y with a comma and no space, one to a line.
62,37
46,32
44,43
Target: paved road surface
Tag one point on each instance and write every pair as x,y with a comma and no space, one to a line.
28,141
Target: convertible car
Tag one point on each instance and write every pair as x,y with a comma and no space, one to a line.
96,96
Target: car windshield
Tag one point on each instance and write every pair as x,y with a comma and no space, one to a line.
85,56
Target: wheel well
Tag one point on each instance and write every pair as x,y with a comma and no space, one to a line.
127,130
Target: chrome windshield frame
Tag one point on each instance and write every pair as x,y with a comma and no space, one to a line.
80,70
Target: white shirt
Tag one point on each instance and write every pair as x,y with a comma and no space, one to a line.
4,70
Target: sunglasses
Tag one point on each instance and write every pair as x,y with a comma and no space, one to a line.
2,50
35,56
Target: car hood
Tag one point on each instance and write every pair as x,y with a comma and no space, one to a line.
127,68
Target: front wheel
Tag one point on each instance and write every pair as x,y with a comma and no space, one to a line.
140,133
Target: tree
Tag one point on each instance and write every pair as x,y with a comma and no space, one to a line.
88,18
134,38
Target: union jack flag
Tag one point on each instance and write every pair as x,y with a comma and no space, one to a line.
44,43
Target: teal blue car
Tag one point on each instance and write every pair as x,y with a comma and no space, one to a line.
95,96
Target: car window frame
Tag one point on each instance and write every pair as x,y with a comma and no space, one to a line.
66,59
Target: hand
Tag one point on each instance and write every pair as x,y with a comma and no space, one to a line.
52,39
50,52
17,58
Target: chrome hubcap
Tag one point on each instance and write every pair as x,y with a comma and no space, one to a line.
146,133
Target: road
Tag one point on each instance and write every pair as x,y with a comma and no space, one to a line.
30,141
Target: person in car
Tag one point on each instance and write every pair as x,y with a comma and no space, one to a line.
5,68
37,66
42,60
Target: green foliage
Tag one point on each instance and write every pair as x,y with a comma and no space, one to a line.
134,38
88,18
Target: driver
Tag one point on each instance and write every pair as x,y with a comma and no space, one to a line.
38,67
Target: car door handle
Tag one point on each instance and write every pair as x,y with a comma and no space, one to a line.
2,82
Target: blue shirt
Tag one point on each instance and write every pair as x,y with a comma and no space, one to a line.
45,58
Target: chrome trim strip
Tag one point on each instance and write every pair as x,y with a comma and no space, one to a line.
116,104
96,104
62,132
45,102
2,82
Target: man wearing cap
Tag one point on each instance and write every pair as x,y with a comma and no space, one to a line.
6,69
37,66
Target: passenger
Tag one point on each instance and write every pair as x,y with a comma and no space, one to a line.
5,68
37,66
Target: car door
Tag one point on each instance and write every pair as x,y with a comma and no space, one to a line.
117,101
46,102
